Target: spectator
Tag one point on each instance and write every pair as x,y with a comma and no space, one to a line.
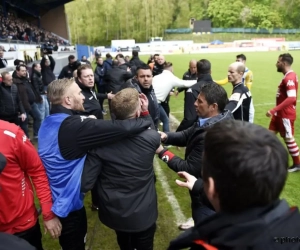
47,65
11,106
84,60
3,62
67,71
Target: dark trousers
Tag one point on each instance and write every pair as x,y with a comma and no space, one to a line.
139,241
74,228
33,236
166,105
94,195
12,119
101,89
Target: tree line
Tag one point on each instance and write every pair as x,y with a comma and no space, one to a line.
97,22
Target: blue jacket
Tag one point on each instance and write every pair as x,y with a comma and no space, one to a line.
64,175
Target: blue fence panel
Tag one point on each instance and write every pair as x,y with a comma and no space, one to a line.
82,50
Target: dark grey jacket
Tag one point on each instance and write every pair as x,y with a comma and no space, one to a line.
10,102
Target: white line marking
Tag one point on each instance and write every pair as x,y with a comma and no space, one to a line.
255,105
180,218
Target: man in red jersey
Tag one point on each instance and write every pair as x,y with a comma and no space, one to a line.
18,214
284,114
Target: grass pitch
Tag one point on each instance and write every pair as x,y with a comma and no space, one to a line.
266,80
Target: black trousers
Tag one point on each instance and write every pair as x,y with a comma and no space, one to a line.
94,195
12,119
165,106
33,236
139,241
101,89
74,228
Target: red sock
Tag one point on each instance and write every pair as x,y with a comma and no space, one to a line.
293,150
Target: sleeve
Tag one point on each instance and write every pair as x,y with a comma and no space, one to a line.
249,79
177,82
31,164
95,133
190,114
101,96
198,186
43,61
179,138
52,65
21,107
222,82
234,101
24,98
62,74
192,164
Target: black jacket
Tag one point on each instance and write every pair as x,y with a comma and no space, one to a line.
115,78
91,104
135,61
9,242
67,72
99,74
157,69
187,76
37,82
153,105
10,102
239,102
193,139
26,92
47,71
191,95
273,227
126,186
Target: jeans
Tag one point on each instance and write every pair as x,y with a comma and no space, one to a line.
74,229
44,107
33,236
139,240
163,117
37,118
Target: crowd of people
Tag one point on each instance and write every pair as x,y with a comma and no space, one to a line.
14,28
234,170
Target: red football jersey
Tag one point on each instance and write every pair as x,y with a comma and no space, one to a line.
287,88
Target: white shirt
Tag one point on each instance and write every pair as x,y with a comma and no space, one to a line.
165,82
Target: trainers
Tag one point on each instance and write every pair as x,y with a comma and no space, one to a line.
185,226
294,168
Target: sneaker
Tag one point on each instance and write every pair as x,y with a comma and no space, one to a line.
185,226
161,124
294,168
104,112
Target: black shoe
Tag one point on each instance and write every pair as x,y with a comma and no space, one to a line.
294,168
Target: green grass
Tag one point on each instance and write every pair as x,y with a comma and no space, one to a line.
227,37
265,83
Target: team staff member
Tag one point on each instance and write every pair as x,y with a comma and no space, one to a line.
209,106
126,185
191,95
240,99
69,137
191,74
23,170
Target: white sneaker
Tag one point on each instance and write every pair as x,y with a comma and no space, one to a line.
185,226
294,168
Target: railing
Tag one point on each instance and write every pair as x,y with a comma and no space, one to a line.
236,30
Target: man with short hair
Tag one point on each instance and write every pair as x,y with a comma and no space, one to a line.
84,60
142,82
284,114
247,80
240,99
69,137
246,218
11,106
210,108
3,61
67,71
30,99
158,66
23,171
135,60
203,72
163,84
126,184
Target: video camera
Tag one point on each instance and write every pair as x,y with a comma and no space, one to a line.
46,49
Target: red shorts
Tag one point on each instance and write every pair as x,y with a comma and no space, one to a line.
284,126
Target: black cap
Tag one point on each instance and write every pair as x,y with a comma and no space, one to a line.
2,162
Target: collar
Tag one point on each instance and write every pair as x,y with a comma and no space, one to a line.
205,77
234,86
201,121
61,109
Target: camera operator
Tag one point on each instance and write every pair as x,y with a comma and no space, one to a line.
67,71
47,65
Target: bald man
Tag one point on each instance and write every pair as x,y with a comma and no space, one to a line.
240,99
159,65
191,74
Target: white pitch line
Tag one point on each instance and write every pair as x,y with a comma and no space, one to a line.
180,218
255,105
